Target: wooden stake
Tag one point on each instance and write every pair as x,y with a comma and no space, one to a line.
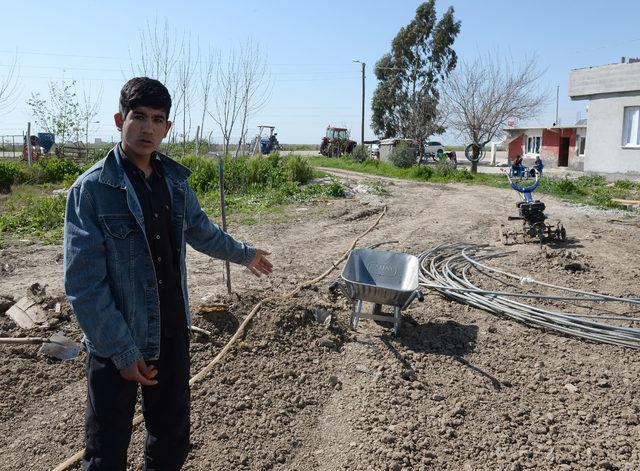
224,217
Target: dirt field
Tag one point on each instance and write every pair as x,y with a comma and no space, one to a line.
460,389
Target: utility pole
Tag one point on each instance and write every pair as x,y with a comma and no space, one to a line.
362,122
557,96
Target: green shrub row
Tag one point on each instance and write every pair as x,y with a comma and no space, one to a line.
244,174
251,184
46,170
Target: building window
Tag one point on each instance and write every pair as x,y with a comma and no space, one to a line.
581,144
533,145
631,127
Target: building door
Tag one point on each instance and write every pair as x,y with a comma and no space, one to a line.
563,153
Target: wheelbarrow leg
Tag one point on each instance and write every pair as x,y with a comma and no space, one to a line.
397,320
355,315
377,309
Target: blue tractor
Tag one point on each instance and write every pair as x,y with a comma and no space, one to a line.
267,143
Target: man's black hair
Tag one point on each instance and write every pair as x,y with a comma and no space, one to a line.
144,91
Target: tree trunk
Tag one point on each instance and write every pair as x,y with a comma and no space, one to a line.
476,155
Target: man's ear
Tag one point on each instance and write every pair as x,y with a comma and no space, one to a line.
166,131
119,119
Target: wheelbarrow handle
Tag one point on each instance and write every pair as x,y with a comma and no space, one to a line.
420,296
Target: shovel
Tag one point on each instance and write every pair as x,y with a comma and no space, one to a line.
58,346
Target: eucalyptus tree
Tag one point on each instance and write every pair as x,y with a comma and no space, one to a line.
405,102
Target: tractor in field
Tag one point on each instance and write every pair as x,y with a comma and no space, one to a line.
265,144
336,142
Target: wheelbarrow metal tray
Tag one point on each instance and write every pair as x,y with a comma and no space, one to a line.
381,277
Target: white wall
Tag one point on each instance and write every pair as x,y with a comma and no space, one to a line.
604,151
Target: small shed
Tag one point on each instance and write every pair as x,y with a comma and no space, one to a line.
387,146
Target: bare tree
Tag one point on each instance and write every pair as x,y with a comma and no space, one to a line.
186,67
228,99
255,86
206,75
158,58
89,109
481,96
9,87
159,53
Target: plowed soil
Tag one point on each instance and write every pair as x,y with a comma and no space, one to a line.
459,389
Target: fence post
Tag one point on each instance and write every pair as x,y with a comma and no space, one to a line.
29,149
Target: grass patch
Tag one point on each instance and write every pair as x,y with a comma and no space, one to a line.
588,190
33,211
252,185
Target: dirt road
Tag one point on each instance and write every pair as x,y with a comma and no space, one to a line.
459,389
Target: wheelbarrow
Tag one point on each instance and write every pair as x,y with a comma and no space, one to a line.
379,277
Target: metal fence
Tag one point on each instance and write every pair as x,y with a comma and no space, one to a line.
11,146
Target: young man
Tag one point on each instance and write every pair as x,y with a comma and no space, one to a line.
127,223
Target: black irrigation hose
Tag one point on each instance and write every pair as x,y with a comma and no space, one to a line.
446,268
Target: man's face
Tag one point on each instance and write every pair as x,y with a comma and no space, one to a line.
142,130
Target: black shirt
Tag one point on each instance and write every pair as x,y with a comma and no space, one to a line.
155,201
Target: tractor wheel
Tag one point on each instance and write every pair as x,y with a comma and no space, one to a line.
563,234
540,232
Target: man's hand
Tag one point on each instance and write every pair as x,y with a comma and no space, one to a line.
140,373
260,265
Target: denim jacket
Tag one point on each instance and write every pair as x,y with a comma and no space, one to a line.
109,274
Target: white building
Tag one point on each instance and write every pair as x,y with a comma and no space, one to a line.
613,127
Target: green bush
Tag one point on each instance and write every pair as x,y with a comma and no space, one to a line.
299,170
445,168
49,170
204,173
624,185
8,173
54,170
421,172
334,189
403,155
590,181
568,187
359,154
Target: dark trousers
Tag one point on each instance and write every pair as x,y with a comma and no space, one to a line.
111,402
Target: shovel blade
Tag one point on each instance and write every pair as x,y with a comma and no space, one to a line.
60,347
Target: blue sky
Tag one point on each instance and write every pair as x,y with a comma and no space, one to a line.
309,47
